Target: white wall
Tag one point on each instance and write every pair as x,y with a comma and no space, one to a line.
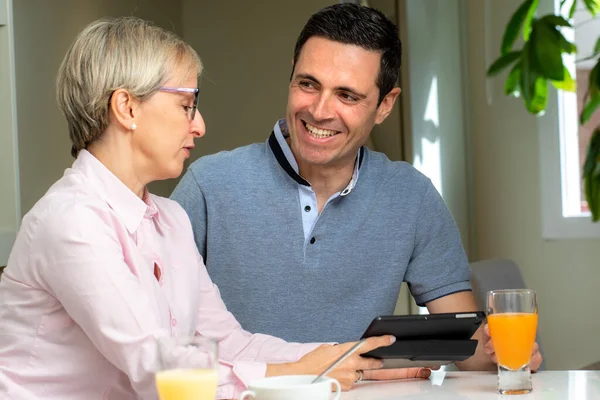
507,219
43,31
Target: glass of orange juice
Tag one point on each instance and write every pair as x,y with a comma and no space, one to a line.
512,320
187,368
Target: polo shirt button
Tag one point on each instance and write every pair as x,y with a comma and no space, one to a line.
307,208
312,240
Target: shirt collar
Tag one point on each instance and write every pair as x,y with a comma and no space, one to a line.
130,208
282,152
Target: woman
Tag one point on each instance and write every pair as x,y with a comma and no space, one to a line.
101,268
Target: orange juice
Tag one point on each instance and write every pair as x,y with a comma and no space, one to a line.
187,384
513,335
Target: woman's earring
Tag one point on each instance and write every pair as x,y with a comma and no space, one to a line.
133,126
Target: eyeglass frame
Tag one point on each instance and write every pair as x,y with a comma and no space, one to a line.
192,111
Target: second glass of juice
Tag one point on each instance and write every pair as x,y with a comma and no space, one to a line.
512,320
187,368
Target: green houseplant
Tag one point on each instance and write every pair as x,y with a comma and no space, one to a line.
539,63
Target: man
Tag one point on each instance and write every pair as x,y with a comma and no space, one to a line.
310,235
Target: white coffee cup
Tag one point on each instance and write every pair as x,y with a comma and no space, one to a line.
291,387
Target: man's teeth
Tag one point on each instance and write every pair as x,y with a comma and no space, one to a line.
319,133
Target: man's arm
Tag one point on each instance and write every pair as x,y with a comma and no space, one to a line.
465,302
484,358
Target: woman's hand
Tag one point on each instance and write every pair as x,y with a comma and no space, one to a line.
347,373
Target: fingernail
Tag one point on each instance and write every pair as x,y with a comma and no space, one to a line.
392,339
425,373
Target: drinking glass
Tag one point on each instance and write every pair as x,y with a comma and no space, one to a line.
512,320
187,368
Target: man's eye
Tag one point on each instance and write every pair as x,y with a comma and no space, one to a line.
349,97
306,85
187,108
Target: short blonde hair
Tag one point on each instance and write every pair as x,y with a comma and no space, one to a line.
110,54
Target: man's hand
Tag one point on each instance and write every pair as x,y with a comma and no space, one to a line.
396,373
536,356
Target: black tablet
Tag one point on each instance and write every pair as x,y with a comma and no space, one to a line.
425,340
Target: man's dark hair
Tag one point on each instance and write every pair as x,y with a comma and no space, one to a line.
361,26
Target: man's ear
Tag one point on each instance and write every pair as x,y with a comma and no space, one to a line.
124,108
385,108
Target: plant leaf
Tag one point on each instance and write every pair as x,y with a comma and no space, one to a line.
556,20
503,62
514,26
573,9
594,85
592,98
593,6
591,195
534,87
540,97
568,84
528,75
511,86
591,176
593,152
589,108
547,51
528,23
564,44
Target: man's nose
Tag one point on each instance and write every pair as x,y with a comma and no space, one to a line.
323,108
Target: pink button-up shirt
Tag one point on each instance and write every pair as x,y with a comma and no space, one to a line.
81,307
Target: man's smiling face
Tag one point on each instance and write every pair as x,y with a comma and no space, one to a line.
332,102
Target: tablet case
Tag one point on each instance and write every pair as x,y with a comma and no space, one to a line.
428,349
423,353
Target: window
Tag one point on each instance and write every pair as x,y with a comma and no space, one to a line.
563,143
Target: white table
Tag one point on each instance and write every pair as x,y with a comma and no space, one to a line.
552,385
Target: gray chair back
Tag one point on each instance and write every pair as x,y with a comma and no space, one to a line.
496,274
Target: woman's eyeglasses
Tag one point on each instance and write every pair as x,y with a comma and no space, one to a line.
191,111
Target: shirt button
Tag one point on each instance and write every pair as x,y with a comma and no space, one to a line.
307,208
173,322
312,240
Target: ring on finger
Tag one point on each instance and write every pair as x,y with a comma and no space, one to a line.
360,376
